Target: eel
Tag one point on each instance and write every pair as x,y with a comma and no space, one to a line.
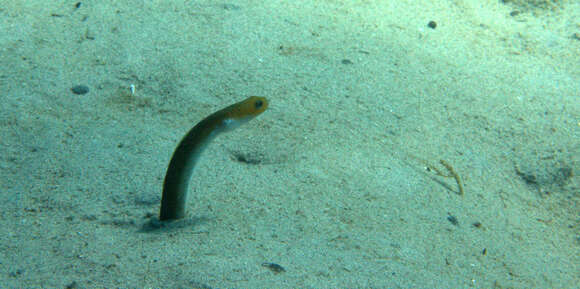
187,153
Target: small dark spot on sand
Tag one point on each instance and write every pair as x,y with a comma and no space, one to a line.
346,61
432,24
80,89
274,267
229,6
453,220
245,158
16,273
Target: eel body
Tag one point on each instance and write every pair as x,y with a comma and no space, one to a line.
192,145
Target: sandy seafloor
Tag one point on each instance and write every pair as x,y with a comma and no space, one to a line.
336,182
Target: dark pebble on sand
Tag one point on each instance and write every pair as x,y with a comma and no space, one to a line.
432,24
453,220
80,89
274,267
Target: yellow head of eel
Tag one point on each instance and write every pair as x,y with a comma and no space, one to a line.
250,107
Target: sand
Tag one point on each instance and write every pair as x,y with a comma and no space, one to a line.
339,182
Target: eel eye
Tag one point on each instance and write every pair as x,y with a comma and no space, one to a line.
258,104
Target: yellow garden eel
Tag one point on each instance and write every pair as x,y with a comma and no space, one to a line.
191,146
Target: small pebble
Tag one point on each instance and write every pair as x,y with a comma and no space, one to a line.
453,220
432,24
80,89
346,61
232,7
514,13
274,267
